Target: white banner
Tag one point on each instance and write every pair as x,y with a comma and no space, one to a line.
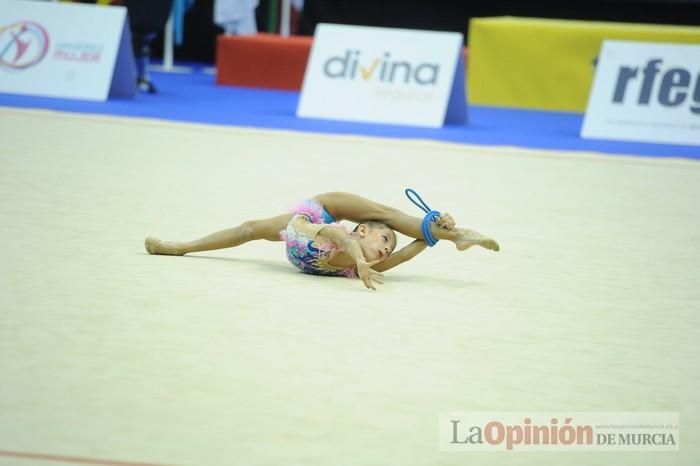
65,50
382,75
647,92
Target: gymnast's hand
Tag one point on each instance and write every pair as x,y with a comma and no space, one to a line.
369,275
446,221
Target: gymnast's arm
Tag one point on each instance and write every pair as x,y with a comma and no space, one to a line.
352,248
402,255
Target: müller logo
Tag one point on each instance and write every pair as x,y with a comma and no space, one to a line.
23,44
352,65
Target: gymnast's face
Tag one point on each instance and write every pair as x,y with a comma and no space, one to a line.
377,242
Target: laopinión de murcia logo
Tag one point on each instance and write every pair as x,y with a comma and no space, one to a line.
595,431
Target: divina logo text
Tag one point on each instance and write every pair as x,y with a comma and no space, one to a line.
385,68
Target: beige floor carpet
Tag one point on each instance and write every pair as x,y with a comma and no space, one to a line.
233,358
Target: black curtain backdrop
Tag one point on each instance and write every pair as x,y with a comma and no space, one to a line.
454,15
439,15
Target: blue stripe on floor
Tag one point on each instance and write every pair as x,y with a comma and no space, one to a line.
195,97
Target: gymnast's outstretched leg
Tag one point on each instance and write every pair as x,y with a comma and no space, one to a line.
268,229
346,206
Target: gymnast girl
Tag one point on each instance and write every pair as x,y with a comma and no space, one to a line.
316,244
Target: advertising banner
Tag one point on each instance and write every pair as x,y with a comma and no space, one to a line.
646,92
65,50
382,75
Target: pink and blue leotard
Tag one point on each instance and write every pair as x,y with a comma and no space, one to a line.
305,249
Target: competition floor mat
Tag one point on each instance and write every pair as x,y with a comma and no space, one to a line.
111,356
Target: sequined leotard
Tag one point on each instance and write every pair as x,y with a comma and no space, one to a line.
305,250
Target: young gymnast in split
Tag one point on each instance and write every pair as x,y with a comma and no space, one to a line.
318,245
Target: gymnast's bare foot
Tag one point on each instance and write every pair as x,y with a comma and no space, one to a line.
469,238
168,248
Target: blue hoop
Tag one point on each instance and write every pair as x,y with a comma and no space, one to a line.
430,216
